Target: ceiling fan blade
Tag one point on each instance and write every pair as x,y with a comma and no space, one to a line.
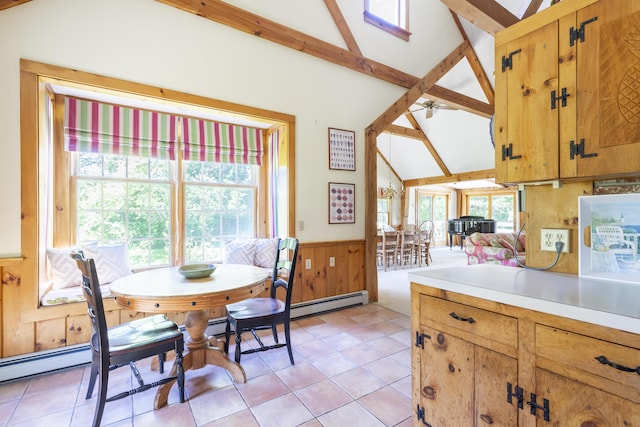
429,113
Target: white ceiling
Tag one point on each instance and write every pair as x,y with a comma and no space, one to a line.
461,139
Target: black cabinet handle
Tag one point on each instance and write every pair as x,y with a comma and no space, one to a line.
605,361
462,319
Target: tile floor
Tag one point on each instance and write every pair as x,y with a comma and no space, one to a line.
353,367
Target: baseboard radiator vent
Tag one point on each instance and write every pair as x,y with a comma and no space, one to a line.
24,366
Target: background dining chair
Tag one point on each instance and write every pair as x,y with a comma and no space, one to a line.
264,313
425,236
126,343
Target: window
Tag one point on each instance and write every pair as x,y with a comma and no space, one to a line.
500,206
384,210
174,195
433,207
389,15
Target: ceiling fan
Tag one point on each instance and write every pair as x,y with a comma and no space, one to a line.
430,107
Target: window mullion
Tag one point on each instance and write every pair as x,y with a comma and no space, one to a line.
177,204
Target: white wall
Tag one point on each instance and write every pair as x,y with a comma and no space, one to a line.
147,42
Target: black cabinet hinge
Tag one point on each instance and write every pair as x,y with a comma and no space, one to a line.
563,98
420,416
534,406
507,62
518,394
578,34
420,339
578,150
507,153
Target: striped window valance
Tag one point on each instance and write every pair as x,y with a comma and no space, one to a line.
209,141
97,127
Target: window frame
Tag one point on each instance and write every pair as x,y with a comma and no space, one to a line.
440,225
400,29
490,194
34,88
66,169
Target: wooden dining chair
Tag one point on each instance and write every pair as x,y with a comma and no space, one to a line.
266,313
125,344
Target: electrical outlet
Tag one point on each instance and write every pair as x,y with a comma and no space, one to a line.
332,261
549,237
307,264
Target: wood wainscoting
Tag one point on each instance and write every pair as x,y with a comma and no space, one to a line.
28,328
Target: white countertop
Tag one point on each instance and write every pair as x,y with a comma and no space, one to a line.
606,303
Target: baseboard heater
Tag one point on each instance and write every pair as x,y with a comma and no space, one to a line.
23,366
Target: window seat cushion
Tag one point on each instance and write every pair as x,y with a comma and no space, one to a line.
68,295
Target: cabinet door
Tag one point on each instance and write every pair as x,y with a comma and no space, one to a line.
608,91
493,371
527,138
574,404
462,384
446,380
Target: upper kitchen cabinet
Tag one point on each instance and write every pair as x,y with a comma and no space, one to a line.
568,93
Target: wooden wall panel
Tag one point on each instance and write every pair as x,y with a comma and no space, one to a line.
548,207
51,334
27,328
78,329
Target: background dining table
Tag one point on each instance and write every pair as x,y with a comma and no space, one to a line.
165,290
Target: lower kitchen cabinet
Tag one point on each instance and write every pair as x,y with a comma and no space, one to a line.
576,404
477,362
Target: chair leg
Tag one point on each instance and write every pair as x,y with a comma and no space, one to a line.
274,330
287,336
102,394
227,335
238,339
179,360
161,359
93,375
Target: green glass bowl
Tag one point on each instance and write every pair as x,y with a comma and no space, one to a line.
196,271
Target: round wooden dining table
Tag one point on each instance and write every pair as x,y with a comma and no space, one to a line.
165,290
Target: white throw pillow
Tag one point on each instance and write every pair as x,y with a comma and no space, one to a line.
62,269
265,255
239,251
112,262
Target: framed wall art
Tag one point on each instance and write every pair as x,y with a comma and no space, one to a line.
609,235
342,149
342,203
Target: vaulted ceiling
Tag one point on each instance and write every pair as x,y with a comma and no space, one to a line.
443,134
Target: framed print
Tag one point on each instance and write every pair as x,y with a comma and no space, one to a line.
342,203
342,149
609,235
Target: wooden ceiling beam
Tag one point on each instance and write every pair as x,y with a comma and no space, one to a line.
342,26
402,104
460,101
6,4
475,64
488,15
428,145
242,20
456,177
533,8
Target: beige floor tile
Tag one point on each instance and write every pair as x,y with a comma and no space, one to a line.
333,364
388,369
284,411
300,375
216,404
261,389
352,414
388,405
358,382
323,397
243,418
